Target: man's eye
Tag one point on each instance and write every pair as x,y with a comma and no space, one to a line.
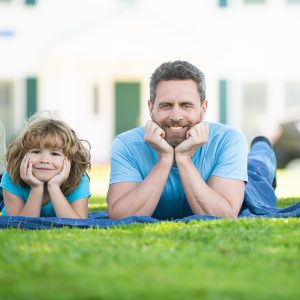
187,105
164,106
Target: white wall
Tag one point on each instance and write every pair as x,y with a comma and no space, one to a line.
72,45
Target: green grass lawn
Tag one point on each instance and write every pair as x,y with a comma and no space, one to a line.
222,259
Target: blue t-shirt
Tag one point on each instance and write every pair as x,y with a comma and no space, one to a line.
225,155
82,191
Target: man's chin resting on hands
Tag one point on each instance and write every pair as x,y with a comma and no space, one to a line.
177,165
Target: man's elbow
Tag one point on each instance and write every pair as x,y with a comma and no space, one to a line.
232,213
114,213
233,209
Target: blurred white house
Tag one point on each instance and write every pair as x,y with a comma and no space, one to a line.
91,60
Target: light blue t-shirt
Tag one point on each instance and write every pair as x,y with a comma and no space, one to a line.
82,191
225,155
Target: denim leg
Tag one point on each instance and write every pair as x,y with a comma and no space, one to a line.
262,155
260,198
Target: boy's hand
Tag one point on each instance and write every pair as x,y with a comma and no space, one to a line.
26,173
61,177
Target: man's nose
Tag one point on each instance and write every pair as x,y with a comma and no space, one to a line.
176,114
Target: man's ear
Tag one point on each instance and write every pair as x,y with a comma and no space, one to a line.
203,110
150,106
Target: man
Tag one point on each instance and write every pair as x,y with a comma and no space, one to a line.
178,165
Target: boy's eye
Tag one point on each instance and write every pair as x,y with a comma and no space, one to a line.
35,151
56,153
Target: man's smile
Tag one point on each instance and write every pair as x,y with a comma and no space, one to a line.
175,128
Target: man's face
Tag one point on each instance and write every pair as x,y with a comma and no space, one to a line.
177,107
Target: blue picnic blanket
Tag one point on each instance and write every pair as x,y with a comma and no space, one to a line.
259,201
101,220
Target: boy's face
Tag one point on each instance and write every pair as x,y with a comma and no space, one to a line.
46,162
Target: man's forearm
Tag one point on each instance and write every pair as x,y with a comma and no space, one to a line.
202,199
142,199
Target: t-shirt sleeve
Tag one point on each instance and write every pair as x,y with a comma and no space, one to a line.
123,163
82,191
7,184
232,156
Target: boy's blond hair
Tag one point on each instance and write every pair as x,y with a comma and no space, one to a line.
47,132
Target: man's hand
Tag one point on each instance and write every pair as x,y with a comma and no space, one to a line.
155,136
195,138
61,177
26,173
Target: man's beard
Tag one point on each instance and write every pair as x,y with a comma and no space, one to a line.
175,138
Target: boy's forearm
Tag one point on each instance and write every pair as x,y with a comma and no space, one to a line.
62,207
33,205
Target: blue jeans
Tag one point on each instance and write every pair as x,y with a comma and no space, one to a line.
260,196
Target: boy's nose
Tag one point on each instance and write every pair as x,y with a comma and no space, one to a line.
44,158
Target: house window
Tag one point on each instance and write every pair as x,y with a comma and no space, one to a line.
292,94
223,101
95,100
6,107
30,2
223,3
129,2
31,95
254,107
127,105
254,1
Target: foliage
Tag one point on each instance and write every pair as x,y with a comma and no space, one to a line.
222,259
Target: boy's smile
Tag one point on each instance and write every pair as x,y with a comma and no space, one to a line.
46,163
